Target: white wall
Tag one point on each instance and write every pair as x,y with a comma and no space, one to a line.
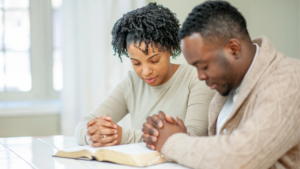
277,19
181,9
36,125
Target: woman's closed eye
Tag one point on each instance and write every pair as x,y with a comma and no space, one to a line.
155,61
137,63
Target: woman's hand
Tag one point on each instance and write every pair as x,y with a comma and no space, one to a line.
103,132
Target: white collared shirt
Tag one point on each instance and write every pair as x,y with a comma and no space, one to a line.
231,99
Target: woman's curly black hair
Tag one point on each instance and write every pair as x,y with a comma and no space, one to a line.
152,24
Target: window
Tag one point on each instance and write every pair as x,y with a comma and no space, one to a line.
57,46
15,74
30,50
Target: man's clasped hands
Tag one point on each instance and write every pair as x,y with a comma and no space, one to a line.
102,131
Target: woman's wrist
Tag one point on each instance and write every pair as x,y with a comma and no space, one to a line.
119,132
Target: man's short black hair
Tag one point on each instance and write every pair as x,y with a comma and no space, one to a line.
152,24
215,20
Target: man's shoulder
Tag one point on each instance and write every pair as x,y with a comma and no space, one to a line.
282,75
286,61
286,66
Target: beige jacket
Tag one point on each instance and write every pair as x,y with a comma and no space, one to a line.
263,130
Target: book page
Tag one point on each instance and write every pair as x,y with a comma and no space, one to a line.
88,147
136,148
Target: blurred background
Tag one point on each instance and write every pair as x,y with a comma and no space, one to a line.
57,63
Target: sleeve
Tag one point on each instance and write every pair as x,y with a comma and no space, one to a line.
113,105
131,136
269,133
196,119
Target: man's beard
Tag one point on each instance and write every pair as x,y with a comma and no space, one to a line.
226,92
227,78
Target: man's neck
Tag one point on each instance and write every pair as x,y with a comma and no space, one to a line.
249,55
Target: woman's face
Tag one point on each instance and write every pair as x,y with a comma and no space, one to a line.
154,68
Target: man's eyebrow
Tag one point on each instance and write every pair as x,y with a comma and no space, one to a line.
196,62
153,56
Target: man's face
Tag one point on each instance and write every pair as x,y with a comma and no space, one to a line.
212,61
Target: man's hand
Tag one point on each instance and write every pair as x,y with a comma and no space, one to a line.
150,132
159,128
103,132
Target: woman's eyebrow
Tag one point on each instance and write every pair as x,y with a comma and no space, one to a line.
134,59
153,56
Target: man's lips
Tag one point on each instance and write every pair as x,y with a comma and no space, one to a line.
150,80
212,87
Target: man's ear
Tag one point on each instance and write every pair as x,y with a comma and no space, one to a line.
234,47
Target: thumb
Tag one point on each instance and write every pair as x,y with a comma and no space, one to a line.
179,121
107,117
170,119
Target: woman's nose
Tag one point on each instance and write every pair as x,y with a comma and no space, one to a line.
147,70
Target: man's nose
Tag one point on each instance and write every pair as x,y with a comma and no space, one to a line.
202,76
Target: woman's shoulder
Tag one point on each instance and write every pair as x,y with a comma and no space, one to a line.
130,79
188,67
189,76
194,84
133,77
187,71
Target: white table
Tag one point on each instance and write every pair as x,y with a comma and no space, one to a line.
36,153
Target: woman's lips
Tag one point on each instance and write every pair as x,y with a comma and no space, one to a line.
150,80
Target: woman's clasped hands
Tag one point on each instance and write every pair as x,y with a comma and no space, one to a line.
104,132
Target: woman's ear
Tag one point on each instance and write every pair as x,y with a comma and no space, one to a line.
172,51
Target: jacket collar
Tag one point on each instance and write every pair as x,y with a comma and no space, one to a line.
265,56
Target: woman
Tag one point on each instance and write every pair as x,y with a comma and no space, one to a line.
148,36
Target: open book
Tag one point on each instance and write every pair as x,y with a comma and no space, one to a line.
131,154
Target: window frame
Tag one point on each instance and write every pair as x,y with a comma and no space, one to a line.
40,13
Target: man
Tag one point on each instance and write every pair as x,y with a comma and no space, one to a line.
254,119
